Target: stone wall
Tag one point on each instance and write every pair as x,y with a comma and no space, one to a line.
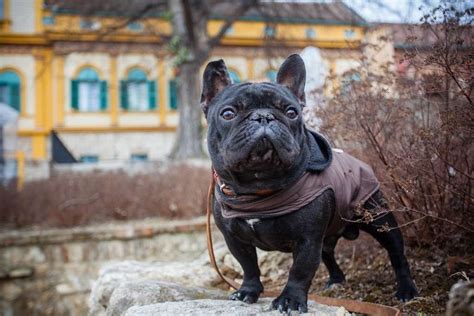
50,272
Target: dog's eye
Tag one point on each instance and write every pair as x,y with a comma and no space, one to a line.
228,114
291,113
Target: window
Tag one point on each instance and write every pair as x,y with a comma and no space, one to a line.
137,93
88,24
271,75
2,14
10,89
234,76
348,34
48,20
270,31
135,26
347,82
138,157
230,31
89,159
310,33
173,94
88,93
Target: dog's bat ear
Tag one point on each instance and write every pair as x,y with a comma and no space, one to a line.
214,80
292,74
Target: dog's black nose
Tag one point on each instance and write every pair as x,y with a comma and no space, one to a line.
262,116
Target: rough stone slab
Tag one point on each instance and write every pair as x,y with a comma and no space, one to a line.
198,274
126,287
150,292
195,274
225,307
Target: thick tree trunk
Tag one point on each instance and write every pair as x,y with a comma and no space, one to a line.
190,27
189,136
189,21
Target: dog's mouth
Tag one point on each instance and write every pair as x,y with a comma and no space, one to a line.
263,154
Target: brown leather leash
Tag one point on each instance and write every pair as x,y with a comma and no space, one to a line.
350,305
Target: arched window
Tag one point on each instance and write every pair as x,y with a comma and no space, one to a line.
88,92
271,75
234,76
137,93
10,85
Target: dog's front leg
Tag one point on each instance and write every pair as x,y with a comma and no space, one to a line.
306,259
246,254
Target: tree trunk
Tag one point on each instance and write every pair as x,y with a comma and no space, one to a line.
190,27
188,143
190,21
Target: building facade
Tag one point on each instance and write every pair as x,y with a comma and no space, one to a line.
113,95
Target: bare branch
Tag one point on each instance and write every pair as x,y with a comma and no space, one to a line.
244,6
133,18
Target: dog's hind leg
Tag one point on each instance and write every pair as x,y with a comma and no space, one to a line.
392,241
335,273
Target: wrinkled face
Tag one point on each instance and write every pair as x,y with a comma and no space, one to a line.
256,132
257,128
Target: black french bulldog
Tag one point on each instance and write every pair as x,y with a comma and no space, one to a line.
259,144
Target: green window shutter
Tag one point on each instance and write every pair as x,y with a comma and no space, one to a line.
123,95
103,95
173,92
152,95
15,96
75,94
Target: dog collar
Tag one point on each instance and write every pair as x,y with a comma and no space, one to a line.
228,191
222,186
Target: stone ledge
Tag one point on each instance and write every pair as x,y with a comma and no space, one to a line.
112,231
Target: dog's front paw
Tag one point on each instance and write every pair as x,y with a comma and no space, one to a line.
289,301
406,290
246,294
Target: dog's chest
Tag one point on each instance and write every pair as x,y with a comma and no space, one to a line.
266,234
252,222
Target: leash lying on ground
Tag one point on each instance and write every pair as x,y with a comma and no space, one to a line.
350,305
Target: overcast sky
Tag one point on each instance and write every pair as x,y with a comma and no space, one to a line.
391,10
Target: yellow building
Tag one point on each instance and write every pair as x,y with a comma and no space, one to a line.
111,95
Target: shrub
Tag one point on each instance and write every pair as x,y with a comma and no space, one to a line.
417,133
71,199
